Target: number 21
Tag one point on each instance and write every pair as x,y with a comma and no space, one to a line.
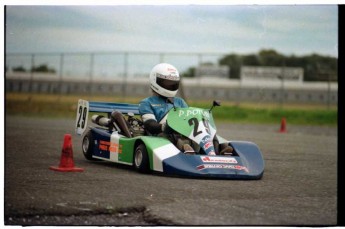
195,122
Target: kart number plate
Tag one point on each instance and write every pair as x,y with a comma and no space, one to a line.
82,116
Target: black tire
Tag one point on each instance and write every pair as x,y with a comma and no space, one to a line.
141,159
87,146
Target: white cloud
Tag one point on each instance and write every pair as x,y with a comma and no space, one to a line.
156,28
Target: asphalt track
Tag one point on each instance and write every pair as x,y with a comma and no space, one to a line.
299,186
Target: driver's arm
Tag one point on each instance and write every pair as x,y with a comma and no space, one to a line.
149,119
153,126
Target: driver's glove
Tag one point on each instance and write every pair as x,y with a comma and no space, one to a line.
163,126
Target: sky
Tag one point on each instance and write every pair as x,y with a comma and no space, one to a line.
242,29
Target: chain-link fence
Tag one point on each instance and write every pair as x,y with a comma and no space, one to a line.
126,74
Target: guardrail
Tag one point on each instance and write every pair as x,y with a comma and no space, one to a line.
202,88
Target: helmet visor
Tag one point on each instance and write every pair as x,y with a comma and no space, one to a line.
171,85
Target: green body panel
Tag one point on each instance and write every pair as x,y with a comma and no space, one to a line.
175,118
127,149
129,144
152,143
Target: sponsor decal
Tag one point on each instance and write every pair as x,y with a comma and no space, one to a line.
223,160
205,139
207,145
104,145
239,167
221,166
200,167
193,112
112,147
156,105
115,148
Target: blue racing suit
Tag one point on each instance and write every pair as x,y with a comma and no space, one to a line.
154,109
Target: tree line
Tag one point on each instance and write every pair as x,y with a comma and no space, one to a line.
316,67
41,68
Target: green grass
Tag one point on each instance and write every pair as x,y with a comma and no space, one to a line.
294,116
53,106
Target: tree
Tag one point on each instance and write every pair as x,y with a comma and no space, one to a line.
251,60
234,62
19,69
43,68
269,57
316,67
189,73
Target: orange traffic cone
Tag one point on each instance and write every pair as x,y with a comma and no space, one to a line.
283,126
66,160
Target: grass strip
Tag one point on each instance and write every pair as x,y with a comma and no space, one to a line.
64,106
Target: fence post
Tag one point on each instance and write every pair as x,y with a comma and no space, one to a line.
91,73
32,72
239,94
282,95
61,73
329,92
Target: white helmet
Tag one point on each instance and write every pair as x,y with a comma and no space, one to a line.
165,80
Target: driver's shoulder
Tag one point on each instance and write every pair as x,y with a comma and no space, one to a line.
180,101
147,100
152,101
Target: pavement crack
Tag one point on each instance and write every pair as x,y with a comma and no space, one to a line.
132,216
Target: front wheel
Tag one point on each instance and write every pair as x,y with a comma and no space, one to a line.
141,159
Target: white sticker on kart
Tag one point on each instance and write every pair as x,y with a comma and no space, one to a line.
82,116
223,160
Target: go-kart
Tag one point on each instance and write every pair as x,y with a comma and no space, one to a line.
132,145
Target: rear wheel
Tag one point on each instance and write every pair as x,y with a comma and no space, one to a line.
87,146
141,159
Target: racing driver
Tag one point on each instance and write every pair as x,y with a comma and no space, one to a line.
164,82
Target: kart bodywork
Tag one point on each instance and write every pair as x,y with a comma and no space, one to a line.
151,153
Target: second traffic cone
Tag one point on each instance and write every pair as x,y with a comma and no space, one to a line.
283,126
66,160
